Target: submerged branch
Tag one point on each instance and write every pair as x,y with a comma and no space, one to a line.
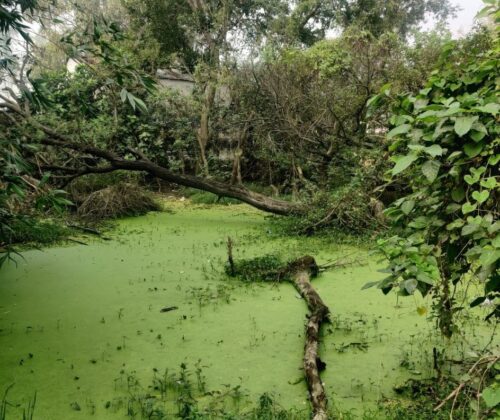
298,272
303,269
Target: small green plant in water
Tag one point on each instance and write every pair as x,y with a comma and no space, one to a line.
265,268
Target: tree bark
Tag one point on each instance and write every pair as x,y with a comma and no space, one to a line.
238,153
260,201
204,130
302,270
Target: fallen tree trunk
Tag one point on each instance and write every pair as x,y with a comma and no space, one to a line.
301,271
257,200
115,161
143,164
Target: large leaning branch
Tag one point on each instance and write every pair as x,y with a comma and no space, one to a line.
143,164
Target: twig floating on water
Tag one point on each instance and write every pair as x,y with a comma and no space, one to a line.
168,309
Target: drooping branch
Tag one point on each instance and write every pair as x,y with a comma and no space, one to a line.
143,164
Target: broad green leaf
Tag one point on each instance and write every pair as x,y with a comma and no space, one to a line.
434,150
469,229
481,197
471,180
477,172
491,395
451,111
493,160
410,285
489,183
400,129
491,108
452,208
369,284
419,223
430,169
123,94
401,119
374,101
468,207
489,256
458,194
473,149
131,100
424,278
403,162
455,224
416,147
407,206
140,104
477,136
455,155
463,125
420,103
495,227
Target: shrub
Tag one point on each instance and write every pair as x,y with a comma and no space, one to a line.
348,209
28,230
445,145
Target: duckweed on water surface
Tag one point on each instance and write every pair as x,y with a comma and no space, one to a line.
82,327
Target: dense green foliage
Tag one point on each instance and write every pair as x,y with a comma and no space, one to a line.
18,189
445,144
446,148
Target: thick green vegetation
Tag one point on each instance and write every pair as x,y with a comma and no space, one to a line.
446,146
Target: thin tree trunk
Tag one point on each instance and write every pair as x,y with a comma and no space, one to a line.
204,130
238,153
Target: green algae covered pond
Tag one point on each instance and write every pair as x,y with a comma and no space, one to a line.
81,327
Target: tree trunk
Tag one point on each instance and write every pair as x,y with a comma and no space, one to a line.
257,200
236,178
204,130
238,153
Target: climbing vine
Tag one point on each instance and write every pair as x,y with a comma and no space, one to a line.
445,147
